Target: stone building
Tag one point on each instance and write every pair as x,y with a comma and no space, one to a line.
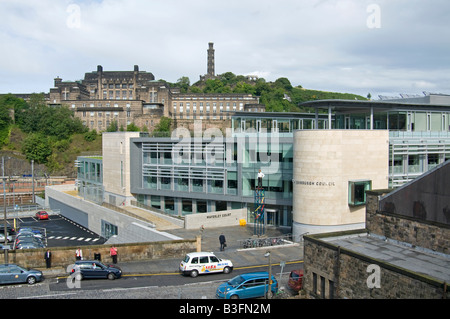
136,97
402,254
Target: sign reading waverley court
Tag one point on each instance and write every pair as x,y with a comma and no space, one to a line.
215,219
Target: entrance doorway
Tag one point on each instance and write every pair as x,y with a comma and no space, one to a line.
272,217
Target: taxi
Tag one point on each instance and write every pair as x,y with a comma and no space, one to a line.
200,263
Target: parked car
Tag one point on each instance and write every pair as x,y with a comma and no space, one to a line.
35,232
198,263
10,229
28,243
2,237
42,214
249,285
95,269
295,280
12,273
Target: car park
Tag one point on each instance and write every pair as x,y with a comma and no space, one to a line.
198,263
249,285
12,273
85,269
295,281
42,214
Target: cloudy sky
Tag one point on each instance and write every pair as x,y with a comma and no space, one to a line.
359,46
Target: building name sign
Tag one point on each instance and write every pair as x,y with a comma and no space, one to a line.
219,215
313,183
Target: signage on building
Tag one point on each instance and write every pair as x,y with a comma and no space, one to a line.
313,183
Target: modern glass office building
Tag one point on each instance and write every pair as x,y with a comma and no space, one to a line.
198,175
201,172
419,129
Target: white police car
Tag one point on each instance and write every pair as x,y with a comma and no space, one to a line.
195,264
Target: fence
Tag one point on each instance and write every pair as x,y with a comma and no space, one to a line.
265,242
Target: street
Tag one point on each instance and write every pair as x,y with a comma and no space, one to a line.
142,286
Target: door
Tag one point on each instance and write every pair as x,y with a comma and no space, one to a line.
214,264
272,217
16,274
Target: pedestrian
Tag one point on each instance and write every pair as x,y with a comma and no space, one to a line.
223,242
113,253
48,258
78,254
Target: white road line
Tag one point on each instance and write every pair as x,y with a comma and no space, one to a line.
45,296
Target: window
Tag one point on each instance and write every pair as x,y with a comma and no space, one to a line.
357,192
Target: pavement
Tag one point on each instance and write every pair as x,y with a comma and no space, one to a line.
241,257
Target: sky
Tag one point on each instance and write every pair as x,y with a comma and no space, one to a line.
381,47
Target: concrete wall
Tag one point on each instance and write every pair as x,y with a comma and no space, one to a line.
91,216
324,163
215,219
116,166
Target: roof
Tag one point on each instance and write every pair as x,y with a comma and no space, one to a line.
364,105
414,259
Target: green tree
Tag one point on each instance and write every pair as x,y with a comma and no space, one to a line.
133,128
163,125
36,147
183,83
112,127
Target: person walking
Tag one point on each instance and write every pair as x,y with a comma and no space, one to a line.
48,258
78,254
223,242
113,253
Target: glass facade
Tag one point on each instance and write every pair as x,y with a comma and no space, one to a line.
90,178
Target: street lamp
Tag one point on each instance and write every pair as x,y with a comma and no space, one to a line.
269,292
5,229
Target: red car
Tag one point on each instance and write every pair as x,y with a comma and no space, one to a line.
41,215
295,281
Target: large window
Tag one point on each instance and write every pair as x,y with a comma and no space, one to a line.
357,192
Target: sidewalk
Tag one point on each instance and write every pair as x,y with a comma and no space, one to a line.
210,242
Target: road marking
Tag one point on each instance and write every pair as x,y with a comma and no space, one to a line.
45,296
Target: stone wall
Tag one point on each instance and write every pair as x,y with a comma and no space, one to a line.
426,234
333,272
64,256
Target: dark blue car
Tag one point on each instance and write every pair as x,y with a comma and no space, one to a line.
250,285
95,269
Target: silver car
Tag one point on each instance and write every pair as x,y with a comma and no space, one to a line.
12,274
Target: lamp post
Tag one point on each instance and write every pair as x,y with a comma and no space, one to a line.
269,291
5,229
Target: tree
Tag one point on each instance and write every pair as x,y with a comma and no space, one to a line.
283,83
36,147
183,83
112,127
163,125
133,128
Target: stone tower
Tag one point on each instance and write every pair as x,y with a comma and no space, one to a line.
210,72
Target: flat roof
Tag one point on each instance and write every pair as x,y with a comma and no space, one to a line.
364,105
415,259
